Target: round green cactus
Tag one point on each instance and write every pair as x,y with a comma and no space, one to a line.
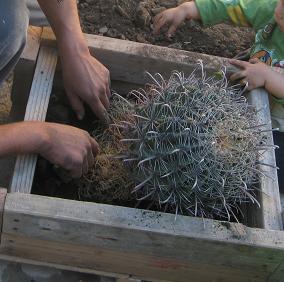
192,143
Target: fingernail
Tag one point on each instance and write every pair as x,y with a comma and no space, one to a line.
80,116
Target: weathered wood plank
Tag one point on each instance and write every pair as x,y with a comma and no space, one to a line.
128,61
62,267
32,46
269,216
147,267
36,111
136,242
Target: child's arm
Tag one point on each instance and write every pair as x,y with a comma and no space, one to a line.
257,74
210,12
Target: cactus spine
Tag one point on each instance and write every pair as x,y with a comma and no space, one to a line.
192,143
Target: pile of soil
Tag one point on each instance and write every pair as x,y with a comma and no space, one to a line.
132,20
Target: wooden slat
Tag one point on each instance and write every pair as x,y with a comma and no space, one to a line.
35,111
86,258
61,267
141,243
128,61
282,205
24,73
269,216
32,46
22,80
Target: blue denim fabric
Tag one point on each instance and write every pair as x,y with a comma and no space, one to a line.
14,20
15,16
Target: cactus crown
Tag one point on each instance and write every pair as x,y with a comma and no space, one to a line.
193,144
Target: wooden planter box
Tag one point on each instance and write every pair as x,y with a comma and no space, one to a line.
127,242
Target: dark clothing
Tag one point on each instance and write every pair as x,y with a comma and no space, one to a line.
15,16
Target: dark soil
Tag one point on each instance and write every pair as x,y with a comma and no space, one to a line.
132,20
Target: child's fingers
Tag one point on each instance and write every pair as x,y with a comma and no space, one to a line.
238,63
157,18
172,29
159,24
238,75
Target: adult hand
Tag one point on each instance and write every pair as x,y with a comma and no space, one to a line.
68,147
86,80
253,73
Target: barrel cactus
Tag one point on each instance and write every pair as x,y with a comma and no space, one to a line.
192,144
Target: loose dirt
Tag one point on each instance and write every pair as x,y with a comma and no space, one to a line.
132,20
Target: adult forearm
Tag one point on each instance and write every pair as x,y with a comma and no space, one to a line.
64,20
86,80
20,138
69,147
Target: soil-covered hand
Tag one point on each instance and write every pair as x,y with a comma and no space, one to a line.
68,147
174,17
253,73
86,80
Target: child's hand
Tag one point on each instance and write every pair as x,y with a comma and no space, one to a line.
254,73
173,18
